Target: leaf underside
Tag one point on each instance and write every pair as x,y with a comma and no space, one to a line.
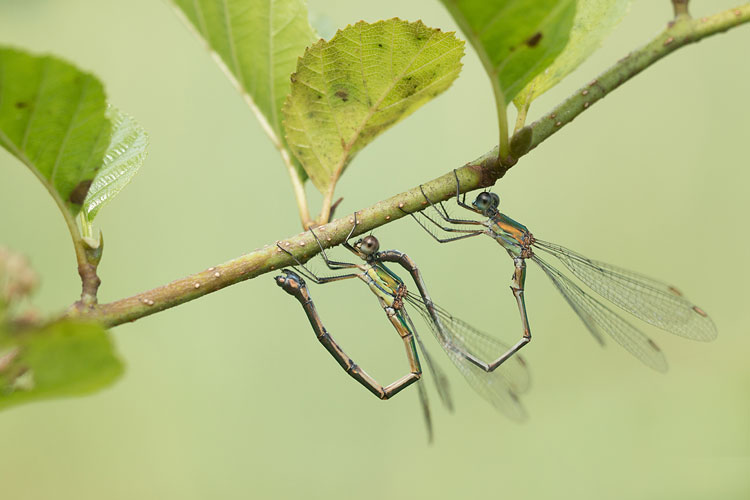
122,159
257,43
52,118
515,39
67,358
368,77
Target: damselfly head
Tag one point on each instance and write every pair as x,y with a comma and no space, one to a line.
289,281
368,245
486,201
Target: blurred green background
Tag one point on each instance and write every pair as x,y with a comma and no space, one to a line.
231,396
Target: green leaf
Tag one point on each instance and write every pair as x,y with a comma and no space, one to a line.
52,119
366,78
67,358
257,43
515,39
122,159
594,20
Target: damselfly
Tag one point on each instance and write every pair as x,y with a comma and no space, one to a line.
294,285
464,345
652,301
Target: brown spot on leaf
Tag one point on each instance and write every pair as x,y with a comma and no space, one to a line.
79,193
343,95
22,104
534,40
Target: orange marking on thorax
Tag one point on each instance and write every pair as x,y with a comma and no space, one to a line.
512,231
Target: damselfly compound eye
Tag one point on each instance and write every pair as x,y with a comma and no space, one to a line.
495,200
483,201
369,245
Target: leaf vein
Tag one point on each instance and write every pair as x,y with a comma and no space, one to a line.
232,49
68,129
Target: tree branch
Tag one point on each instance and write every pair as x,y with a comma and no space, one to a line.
303,246
481,172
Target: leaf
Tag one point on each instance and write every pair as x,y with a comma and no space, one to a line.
67,358
515,39
122,159
594,20
366,78
257,43
52,119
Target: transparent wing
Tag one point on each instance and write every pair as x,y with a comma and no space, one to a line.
492,386
438,375
648,299
468,339
424,403
599,318
500,387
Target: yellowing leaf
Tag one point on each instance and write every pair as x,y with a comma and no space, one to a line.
368,77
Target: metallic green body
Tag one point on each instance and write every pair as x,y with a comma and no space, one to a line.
512,235
389,289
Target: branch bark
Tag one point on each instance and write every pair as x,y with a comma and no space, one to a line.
482,172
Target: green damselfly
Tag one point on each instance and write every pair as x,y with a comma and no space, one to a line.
465,346
650,300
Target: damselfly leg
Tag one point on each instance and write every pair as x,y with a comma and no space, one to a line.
518,280
406,335
295,286
652,301
465,346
